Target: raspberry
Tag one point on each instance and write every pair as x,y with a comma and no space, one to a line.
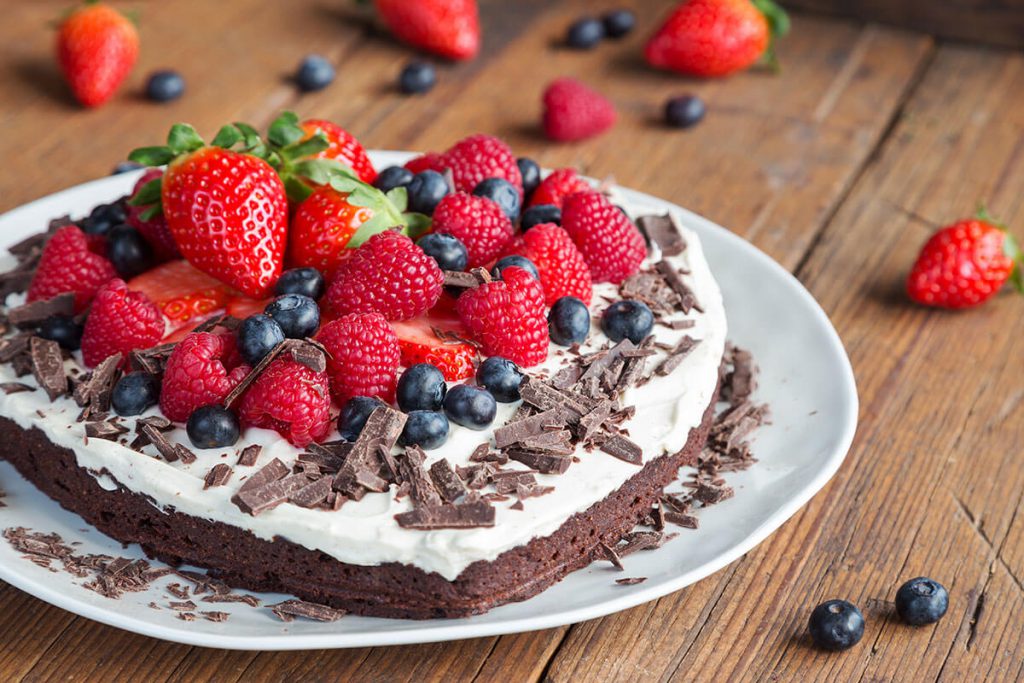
68,265
563,272
507,317
120,320
479,157
388,274
611,245
202,370
431,161
572,111
155,229
363,356
557,186
477,222
291,399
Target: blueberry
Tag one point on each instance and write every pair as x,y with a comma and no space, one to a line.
540,213
421,387
447,250
517,261
584,33
164,86
257,336
126,167
102,218
501,192
128,251
354,415
569,321
836,625
62,329
530,172
314,73
305,281
618,23
426,190
427,429
921,601
627,319
134,393
297,314
392,177
416,78
685,111
501,377
470,406
212,427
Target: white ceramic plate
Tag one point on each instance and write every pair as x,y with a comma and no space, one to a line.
805,376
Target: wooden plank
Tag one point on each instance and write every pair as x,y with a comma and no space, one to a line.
27,627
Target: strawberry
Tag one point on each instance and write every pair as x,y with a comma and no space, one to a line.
449,28
291,399
477,222
119,321
420,343
242,307
563,272
69,265
431,161
558,185
154,229
201,370
477,158
717,37
343,147
507,317
573,111
611,245
96,48
965,264
183,294
362,356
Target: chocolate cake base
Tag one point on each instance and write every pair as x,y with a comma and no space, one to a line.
388,590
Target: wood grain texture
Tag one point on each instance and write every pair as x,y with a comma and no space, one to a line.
839,168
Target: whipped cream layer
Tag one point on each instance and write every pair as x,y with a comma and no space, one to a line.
365,532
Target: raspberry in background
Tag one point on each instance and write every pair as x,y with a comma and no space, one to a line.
362,356
507,317
477,222
202,369
120,321
68,265
563,271
611,245
154,228
478,157
558,185
291,399
573,111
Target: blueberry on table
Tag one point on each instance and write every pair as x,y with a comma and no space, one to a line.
618,23
627,319
427,429
836,625
421,387
516,261
541,213
921,601
417,78
392,177
469,406
569,321
305,281
684,112
128,251
257,336
530,172
354,415
297,314
501,192
164,86
135,393
212,427
314,73
584,33
501,377
449,252
62,329
426,190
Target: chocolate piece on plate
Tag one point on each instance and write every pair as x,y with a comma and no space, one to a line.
15,387
631,580
306,610
218,475
31,315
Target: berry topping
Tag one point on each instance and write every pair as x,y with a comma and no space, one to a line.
388,274
213,427
569,321
558,185
584,33
502,193
507,317
291,399
354,415
421,387
305,281
342,146
573,111
183,294
611,245
257,336
392,177
96,47
165,86
67,265
128,251
362,356
426,190
618,23
416,78
446,249
201,371
103,217
297,315
684,111
501,377
120,321
431,161
540,213
419,344
427,429
921,601
470,406
450,28
314,73
836,625
135,393
477,222
529,171
154,228
479,157
559,264
516,261
62,329
627,319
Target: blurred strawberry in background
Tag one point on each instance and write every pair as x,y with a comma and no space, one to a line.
96,48
450,28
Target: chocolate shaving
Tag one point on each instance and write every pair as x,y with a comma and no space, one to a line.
32,314
480,453
215,616
709,494
468,515
308,354
48,367
313,494
184,453
611,556
306,610
164,447
327,462
650,288
631,580
12,347
104,430
662,231
382,429
446,481
422,488
186,606
218,475
249,455
681,519
267,497
272,471
460,280
178,591
247,381
15,387
482,275
521,430
676,355
687,299
622,448
545,463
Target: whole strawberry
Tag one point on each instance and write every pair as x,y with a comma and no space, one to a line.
202,369
558,185
120,321
477,222
291,399
716,37
154,228
611,245
343,147
563,272
507,317
68,265
362,356
96,48
477,158
965,264
572,111
449,28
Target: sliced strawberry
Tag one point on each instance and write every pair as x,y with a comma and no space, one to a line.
242,307
420,344
182,293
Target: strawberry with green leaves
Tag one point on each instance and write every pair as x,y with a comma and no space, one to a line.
96,48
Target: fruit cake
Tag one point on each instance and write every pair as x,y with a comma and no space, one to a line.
417,393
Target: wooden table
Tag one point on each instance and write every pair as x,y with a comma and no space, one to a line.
839,168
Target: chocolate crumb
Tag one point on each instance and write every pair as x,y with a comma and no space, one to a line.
15,387
631,580
306,610
249,455
218,475
32,314
48,367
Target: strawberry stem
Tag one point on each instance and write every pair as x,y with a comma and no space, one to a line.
778,26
